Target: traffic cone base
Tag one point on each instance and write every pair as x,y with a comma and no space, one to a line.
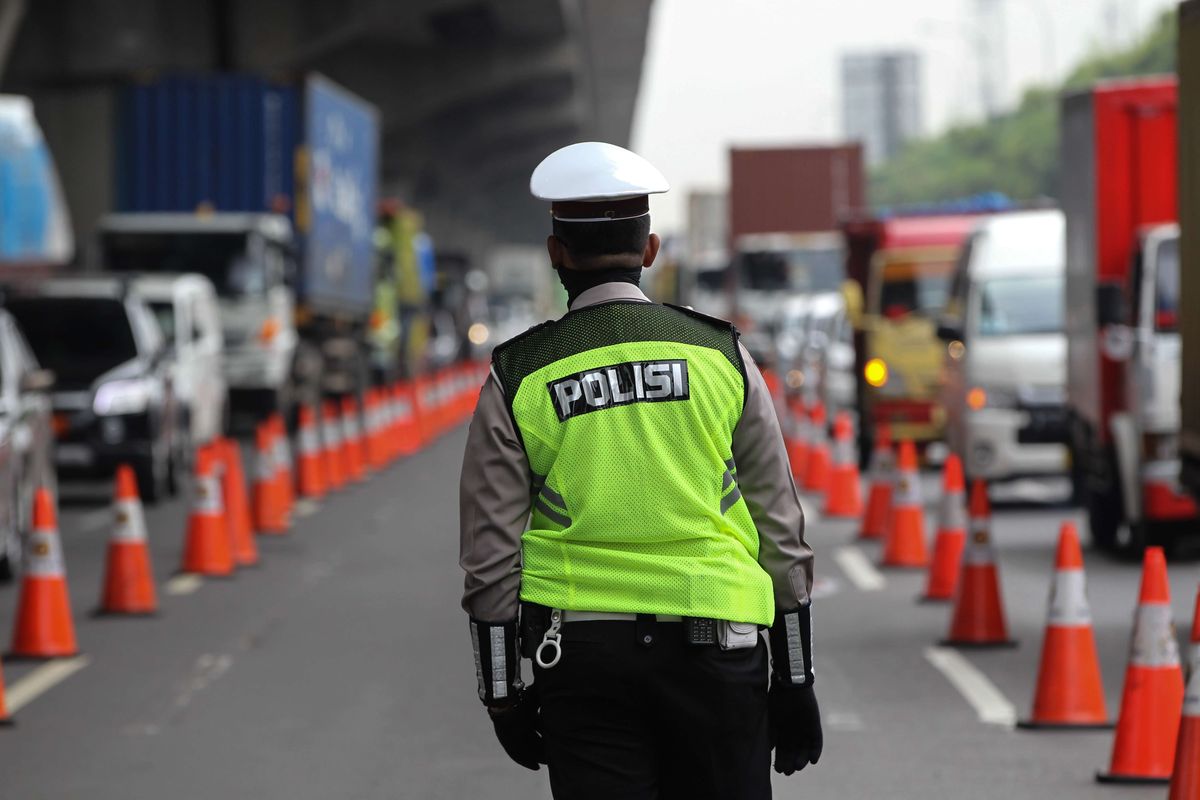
1152,697
208,549
44,626
904,540
1070,692
978,617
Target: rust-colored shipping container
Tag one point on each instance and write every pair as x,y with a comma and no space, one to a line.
793,189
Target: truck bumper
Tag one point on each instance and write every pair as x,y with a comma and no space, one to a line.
994,450
256,369
922,421
1162,496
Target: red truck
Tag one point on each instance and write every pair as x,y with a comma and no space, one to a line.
784,207
1118,157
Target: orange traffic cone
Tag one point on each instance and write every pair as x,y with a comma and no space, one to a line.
128,577
45,628
978,619
797,438
270,515
331,436
237,503
844,498
408,426
951,534
310,478
1152,701
1185,782
351,446
816,472
6,721
208,549
371,442
904,540
883,476
1069,693
283,463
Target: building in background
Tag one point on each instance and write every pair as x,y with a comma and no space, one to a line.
881,101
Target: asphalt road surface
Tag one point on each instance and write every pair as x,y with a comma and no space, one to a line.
341,667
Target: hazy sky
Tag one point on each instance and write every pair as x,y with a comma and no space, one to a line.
719,72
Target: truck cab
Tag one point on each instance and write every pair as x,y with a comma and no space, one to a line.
249,260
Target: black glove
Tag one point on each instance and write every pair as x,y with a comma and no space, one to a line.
518,728
795,726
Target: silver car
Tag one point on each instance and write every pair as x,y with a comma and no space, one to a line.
26,440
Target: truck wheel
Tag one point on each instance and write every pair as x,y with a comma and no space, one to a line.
1105,514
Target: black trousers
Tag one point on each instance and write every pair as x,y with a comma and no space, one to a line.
668,721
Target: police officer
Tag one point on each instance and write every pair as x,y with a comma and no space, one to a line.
628,514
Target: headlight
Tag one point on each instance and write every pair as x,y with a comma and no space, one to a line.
979,398
876,372
122,397
478,333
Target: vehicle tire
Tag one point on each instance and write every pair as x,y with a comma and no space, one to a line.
152,476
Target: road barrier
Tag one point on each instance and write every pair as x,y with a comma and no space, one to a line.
978,618
310,474
45,627
1070,693
844,498
128,587
208,548
1152,699
1185,781
882,472
904,540
238,520
816,471
796,436
270,515
951,538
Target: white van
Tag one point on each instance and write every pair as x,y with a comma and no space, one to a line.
187,311
1005,377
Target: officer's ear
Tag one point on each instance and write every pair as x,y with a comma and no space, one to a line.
651,251
556,251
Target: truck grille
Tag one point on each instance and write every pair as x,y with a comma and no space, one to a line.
1047,425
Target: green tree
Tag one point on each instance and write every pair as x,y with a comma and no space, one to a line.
1014,153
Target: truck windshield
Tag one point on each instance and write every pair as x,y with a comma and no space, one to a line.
914,287
1166,287
80,338
799,270
220,257
1021,306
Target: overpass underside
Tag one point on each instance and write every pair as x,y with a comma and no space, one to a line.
472,93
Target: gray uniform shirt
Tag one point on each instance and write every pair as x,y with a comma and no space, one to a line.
494,493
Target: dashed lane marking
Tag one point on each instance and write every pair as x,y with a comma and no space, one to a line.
184,584
306,508
41,680
859,569
988,701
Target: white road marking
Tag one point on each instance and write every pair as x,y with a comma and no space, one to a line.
42,680
988,701
185,583
859,569
306,507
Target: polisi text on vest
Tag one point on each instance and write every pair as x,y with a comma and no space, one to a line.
619,385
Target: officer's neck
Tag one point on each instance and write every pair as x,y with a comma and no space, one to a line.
576,281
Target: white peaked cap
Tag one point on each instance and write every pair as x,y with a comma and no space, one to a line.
591,171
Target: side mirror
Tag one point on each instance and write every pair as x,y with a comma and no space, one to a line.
852,295
38,380
1110,305
949,330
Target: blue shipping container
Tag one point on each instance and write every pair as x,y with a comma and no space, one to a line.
233,142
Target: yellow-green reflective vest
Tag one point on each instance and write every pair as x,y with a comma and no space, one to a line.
626,411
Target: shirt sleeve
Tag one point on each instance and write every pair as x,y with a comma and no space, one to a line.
494,503
765,479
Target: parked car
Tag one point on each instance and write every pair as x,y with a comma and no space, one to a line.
187,312
113,400
1006,349
26,440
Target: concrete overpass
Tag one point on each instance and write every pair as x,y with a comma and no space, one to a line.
472,92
